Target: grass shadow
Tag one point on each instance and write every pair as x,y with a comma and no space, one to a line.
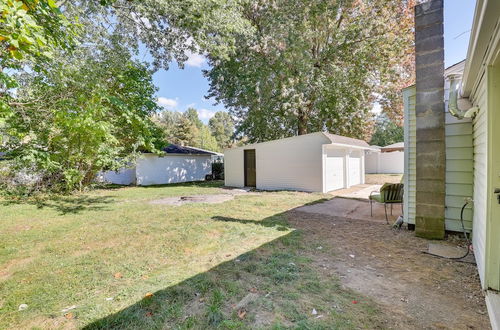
190,184
275,285
268,287
274,221
65,204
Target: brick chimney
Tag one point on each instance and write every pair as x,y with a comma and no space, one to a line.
431,160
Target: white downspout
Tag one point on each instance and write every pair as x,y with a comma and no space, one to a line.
458,106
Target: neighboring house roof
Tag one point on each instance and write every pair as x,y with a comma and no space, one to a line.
344,140
457,68
177,149
400,146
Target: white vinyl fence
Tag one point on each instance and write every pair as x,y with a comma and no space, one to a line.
384,162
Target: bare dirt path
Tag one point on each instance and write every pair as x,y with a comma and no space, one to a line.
416,291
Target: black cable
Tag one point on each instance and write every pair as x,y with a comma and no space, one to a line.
465,234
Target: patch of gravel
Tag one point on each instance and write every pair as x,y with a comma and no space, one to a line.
208,199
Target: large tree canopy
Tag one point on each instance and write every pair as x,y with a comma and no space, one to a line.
313,65
172,29
73,98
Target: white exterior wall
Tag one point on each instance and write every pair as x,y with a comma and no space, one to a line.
288,164
234,175
305,163
152,169
480,179
124,176
385,162
410,155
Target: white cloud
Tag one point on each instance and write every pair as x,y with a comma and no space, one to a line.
167,103
206,114
196,60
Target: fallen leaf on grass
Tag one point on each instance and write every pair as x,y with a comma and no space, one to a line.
354,301
241,314
253,290
68,316
118,275
148,295
149,314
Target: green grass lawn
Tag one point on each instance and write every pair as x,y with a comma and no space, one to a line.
126,263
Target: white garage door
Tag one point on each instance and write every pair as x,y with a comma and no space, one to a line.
334,170
354,170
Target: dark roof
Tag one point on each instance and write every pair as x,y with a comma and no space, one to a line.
177,149
347,140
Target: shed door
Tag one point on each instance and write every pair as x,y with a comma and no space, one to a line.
354,170
334,170
249,168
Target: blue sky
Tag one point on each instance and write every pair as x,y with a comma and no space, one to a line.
182,88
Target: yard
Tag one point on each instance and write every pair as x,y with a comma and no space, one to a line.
125,262
139,258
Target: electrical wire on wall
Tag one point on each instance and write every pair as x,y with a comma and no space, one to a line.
469,243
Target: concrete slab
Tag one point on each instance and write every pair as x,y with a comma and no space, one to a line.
361,191
352,209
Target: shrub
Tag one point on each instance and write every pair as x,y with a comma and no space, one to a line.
218,171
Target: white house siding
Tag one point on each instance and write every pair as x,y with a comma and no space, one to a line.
410,154
385,162
459,171
152,169
125,176
480,139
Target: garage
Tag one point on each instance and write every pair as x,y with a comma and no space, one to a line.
316,162
176,164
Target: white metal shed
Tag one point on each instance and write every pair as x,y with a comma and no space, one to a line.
318,162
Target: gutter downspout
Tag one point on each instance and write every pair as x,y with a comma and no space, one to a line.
458,106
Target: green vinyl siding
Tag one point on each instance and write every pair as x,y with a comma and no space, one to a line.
459,171
410,135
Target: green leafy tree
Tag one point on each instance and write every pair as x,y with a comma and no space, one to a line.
222,128
185,132
205,140
172,29
86,113
192,115
30,32
386,132
311,66
166,121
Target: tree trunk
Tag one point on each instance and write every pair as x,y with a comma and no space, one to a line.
302,123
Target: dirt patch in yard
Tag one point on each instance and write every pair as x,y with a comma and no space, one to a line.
382,178
416,291
208,199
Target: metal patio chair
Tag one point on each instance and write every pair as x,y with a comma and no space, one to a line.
390,193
